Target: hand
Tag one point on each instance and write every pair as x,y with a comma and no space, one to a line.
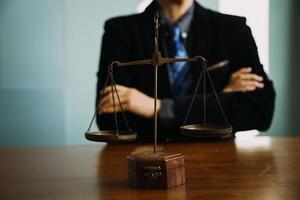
244,81
132,100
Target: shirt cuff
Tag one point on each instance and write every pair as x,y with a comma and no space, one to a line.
166,113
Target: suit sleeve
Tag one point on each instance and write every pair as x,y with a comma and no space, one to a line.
245,111
113,48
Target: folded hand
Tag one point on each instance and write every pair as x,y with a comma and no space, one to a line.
244,81
131,99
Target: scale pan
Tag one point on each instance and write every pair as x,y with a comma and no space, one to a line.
111,136
206,130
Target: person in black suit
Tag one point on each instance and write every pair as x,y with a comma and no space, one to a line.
187,29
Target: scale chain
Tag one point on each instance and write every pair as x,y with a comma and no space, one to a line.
204,97
114,90
119,100
114,105
95,113
217,97
193,98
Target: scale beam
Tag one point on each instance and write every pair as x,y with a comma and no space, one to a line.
156,62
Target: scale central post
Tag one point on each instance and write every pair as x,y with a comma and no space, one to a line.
157,170
155,109
156,58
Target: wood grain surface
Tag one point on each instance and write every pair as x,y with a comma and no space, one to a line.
245,168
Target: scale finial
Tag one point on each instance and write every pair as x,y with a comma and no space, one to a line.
156,17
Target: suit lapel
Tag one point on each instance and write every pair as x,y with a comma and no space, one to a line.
198,40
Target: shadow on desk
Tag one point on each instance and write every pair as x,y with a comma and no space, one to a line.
220,169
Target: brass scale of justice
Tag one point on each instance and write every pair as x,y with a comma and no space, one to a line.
159,170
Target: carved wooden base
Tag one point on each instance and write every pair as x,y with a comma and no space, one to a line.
156,171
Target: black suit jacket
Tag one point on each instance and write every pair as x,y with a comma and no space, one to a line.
213,35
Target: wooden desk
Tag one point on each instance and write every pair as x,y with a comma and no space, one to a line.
254,168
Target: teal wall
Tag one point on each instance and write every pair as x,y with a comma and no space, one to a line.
294,70
49,53
32,98
285,65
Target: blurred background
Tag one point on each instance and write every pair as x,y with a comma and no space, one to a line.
49,53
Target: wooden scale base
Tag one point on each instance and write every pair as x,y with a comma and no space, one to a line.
156,170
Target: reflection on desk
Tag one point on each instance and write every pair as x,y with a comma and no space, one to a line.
244,168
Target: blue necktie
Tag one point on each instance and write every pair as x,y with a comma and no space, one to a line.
179,72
